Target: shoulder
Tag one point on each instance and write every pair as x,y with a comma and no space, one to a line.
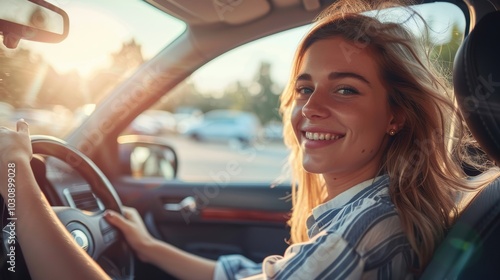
363,212
373,233
369,219
372,228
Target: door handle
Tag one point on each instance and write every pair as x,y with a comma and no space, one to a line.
187,204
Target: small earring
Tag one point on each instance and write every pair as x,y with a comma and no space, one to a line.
392,132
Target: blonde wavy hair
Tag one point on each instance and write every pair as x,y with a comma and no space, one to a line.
424,160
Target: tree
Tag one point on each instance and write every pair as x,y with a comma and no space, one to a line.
128,58
62,89
15,77
265,99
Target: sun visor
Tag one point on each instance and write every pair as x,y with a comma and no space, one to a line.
205,12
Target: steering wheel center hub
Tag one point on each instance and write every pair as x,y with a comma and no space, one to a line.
80,239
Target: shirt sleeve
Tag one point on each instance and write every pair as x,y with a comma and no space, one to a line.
233,267
326,256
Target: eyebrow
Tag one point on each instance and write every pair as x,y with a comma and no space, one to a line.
334,76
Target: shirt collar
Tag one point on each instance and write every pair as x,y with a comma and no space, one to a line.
344,197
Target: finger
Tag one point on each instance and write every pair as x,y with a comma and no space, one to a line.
126,208
117,220
22,126
130,213
127,212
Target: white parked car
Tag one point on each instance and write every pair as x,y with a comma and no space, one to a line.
273,131
226,125
152,122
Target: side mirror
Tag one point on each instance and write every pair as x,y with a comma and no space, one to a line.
34,20
144,156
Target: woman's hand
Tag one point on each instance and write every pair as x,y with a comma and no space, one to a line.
15,147
165,256
134,230
15,144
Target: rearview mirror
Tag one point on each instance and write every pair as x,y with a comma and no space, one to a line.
34,20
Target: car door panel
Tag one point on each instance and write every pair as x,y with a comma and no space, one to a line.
247,219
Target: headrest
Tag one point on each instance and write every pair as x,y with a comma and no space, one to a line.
476,79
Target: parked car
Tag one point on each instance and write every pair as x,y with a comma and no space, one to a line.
6,110
152,122
44,121
186,117
273,131
226,125
127,56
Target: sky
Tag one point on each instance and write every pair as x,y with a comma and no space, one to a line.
94,34
98,28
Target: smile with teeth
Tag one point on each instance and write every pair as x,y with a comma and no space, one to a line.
322,136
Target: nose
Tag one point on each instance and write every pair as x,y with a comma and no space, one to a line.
316,106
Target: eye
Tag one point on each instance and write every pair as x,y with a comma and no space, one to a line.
303,91
346,90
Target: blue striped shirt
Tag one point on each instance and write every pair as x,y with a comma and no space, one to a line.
356,235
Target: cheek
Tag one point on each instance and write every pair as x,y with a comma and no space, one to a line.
374,126
374,115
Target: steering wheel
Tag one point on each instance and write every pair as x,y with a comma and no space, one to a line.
90,230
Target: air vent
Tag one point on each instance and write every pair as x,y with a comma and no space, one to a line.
83,199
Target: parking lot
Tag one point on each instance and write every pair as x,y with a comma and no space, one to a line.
229,161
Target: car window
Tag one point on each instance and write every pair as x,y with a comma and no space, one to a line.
244,85
229,128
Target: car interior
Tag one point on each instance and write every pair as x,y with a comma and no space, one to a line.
92,167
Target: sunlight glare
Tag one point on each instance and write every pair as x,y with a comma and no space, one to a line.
92,37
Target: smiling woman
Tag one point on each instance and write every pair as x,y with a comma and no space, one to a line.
340,109
368,124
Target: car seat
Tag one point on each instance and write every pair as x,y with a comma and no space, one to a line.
471,249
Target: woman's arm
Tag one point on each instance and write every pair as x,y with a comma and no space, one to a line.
48,248
174,261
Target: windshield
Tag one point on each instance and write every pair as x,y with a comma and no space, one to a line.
55,86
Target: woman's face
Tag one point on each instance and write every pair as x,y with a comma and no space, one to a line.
341,114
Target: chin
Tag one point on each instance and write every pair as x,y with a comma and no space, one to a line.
313,168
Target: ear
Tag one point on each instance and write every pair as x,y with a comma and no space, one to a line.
397,121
